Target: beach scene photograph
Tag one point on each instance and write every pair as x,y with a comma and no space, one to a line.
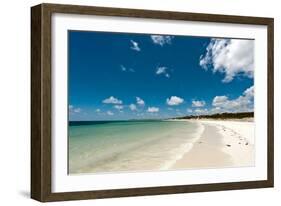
154,102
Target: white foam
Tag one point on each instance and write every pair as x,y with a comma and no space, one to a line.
184,148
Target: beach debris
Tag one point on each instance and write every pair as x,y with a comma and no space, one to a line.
200,142
239,143
247,143
228,145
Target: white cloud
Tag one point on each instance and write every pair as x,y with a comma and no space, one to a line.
112,100
162,71
243,103
201,111
125,69
73,109
161,40
216,110
220,100
77,110
198,103
140,101
229,56
189,110
174,100
133,107
249,92
135,46
118,107
110,113
153,109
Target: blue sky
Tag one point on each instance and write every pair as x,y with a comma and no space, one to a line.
119,76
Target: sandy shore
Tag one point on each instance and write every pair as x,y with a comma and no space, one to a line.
223,143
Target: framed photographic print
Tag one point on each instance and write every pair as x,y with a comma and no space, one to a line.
132,102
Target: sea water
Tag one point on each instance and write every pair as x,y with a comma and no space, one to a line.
112,146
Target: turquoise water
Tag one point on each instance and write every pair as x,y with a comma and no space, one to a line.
128,145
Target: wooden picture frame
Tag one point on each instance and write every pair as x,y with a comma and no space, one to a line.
41,172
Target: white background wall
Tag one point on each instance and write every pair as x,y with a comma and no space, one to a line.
15,102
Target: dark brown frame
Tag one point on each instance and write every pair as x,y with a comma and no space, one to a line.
41,101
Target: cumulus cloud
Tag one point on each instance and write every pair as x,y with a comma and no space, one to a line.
249,92
77,110
110,113
140,101
216,110
229,56
73,109
112,100
135,46
125,69
243,103
174,100
162,71
220,100
198,103
201,111
133,107
118,107
161,39
153,109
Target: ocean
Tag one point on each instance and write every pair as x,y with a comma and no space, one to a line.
131,146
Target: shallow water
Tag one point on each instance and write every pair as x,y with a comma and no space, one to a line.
109,146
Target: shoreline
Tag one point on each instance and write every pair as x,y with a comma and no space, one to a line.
223,143
188,146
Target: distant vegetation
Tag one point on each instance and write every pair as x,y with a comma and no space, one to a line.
220,116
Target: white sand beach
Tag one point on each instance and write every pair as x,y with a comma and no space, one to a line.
223,143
